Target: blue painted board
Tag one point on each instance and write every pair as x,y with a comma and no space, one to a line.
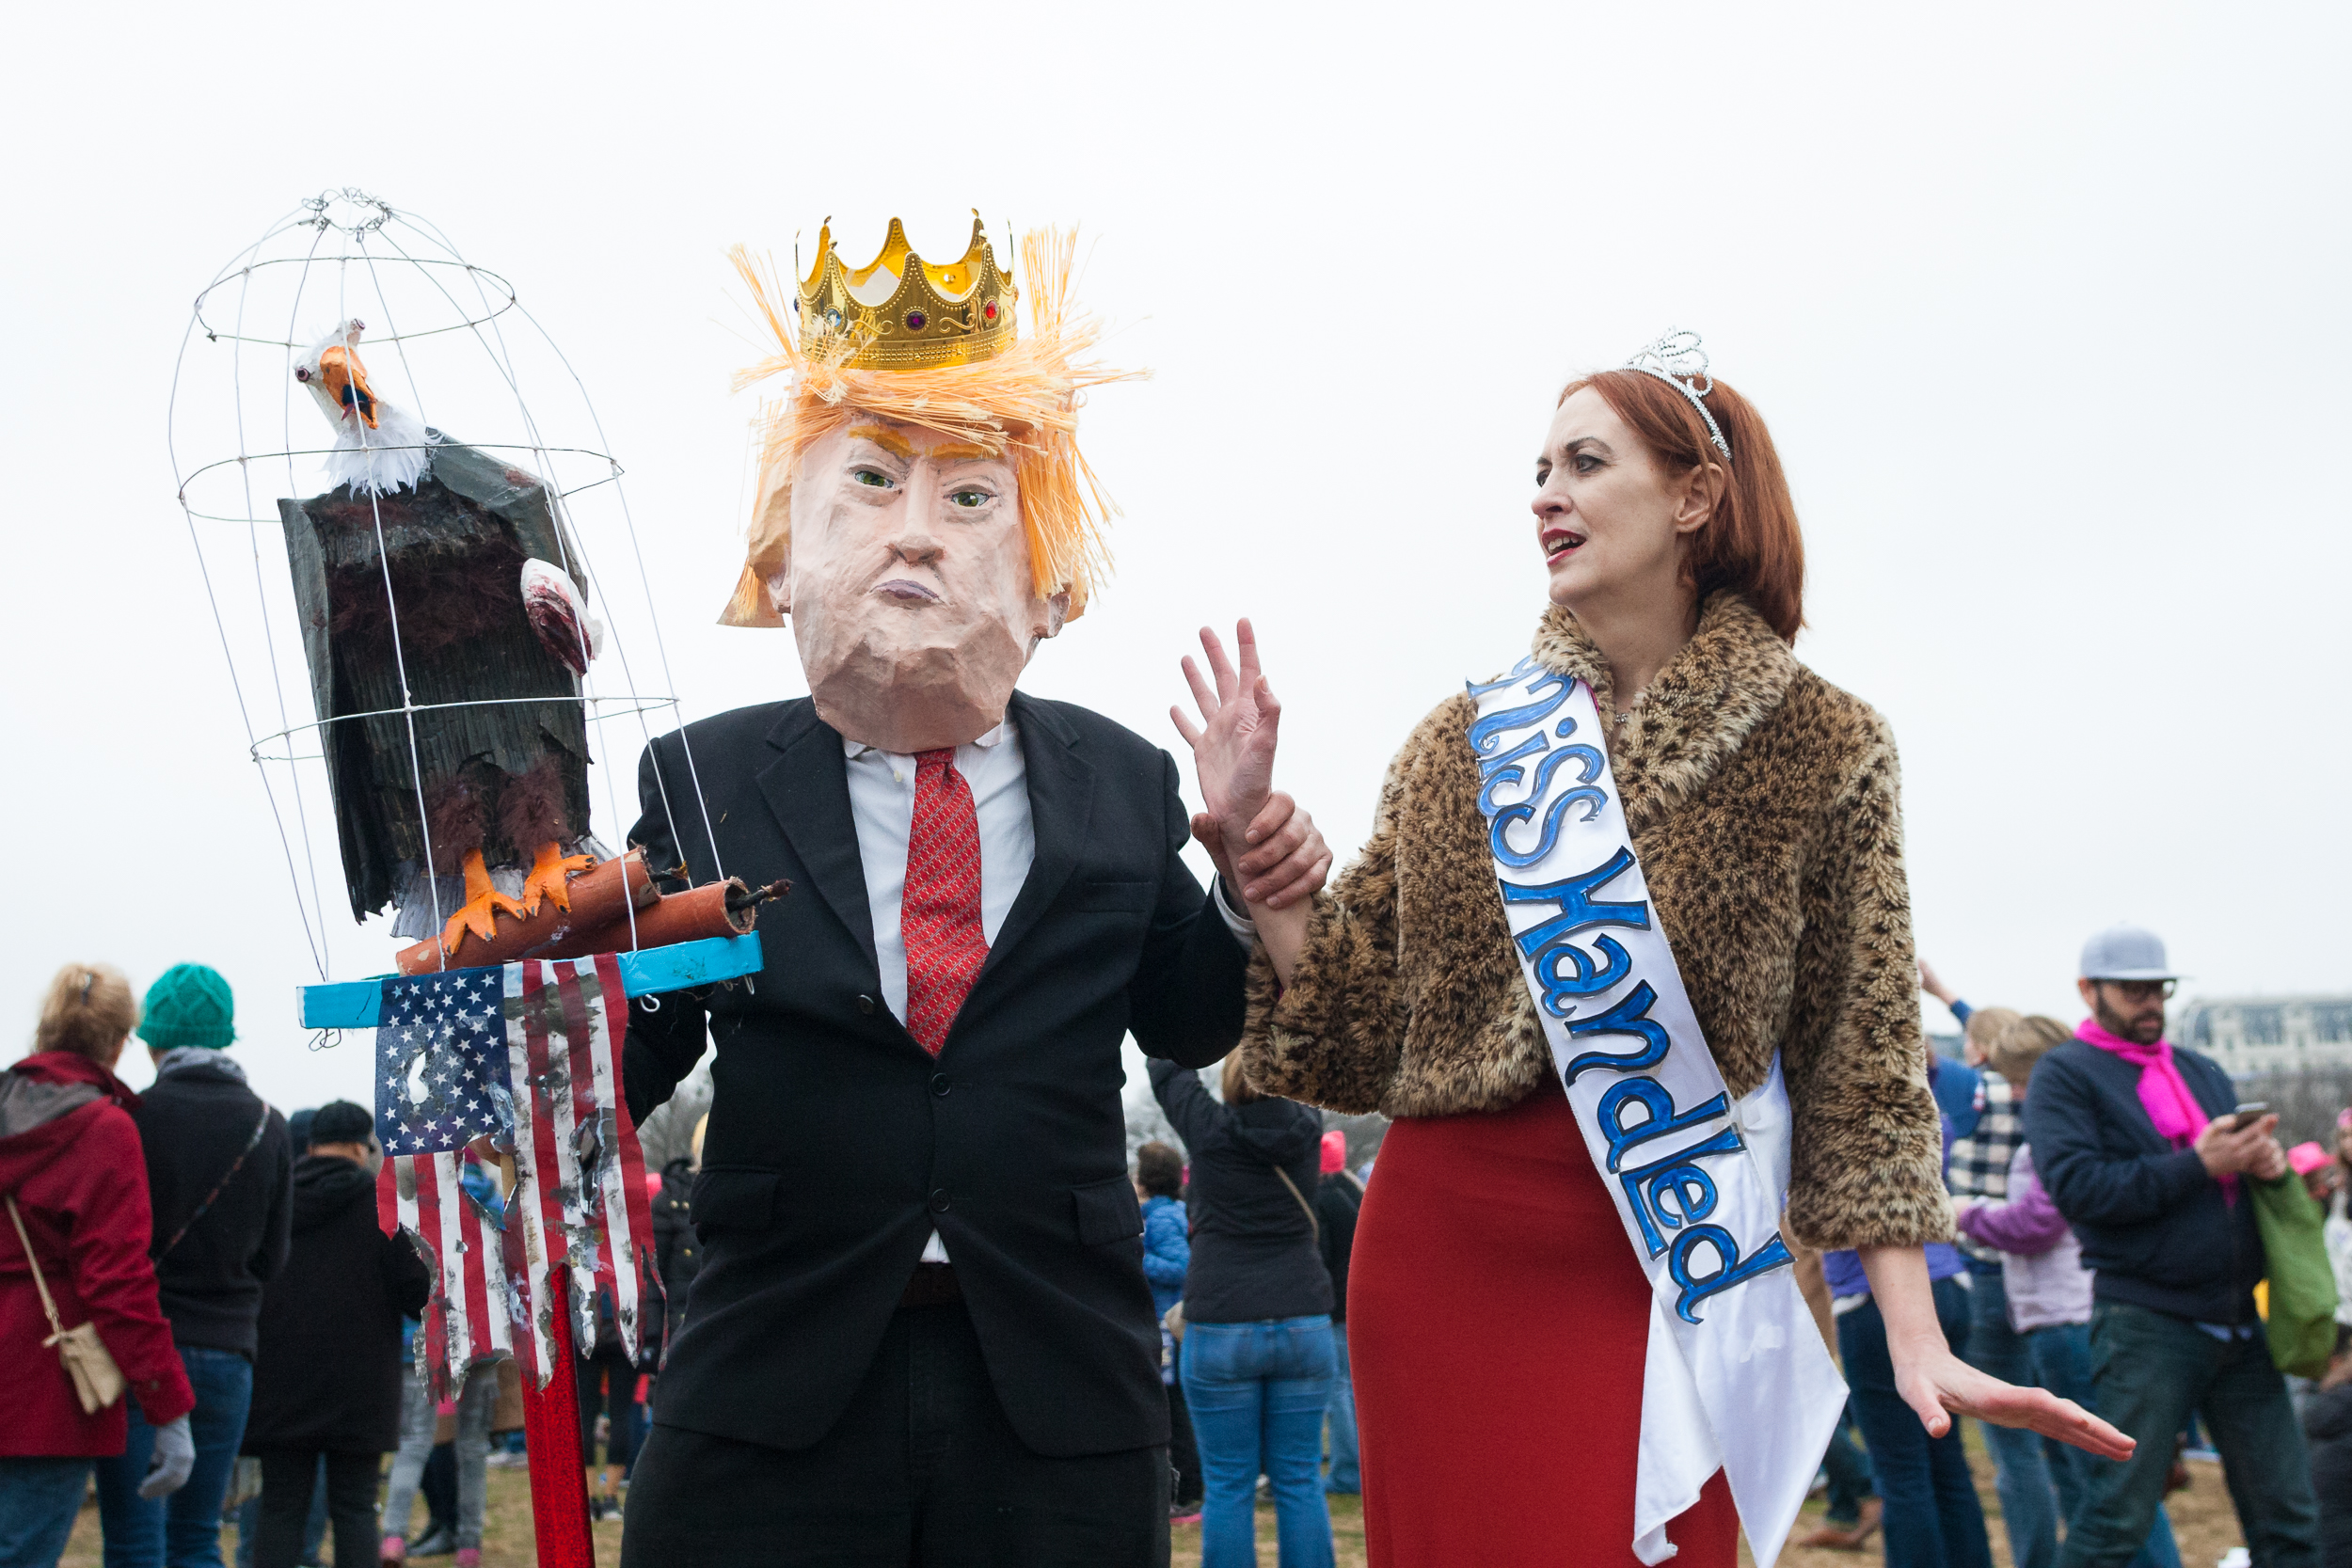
352,1003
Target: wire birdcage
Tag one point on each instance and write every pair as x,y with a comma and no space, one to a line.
451,342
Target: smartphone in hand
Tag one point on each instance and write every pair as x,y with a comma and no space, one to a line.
2248,1112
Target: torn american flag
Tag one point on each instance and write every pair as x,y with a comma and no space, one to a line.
529,1056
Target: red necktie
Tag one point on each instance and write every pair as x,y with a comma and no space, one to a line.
940,917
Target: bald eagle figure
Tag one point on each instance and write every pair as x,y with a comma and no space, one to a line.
471,800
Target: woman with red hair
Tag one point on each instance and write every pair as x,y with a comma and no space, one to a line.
1503,1333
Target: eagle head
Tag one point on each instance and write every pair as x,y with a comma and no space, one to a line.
332,373
378,447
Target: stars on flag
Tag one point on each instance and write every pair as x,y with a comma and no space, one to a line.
441,1061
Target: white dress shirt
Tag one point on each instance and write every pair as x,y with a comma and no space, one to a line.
881,805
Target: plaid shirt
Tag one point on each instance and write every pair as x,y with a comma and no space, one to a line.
1981,1161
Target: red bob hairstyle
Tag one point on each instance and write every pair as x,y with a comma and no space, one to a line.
1752,545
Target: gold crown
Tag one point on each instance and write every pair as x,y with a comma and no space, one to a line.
900,312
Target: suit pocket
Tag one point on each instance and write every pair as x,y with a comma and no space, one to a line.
1107,1212
1115,897
734,1199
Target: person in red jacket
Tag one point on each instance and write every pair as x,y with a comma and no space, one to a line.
75,1184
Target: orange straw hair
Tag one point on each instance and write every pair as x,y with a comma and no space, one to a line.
1026,400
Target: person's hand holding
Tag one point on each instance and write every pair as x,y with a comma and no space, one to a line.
1933,984
174,1457
2230,1153
2269,1162
1287,860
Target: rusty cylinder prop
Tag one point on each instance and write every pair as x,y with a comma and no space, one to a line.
713,909
597,895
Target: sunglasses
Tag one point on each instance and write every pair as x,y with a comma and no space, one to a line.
2144,991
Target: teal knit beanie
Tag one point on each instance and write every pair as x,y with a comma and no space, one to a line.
190,1005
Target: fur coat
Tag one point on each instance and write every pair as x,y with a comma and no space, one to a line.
1763,804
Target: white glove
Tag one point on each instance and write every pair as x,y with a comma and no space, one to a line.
175,1456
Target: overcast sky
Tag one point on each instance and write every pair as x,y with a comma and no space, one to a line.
2044,306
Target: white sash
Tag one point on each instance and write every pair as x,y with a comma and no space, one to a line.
1737,1377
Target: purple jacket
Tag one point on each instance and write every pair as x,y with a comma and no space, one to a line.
2041,1266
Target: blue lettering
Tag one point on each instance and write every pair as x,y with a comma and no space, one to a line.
1675,1176
1489,731
1592,798
1659,1102
1631,1016
1579,909
1519,671
1587,980
1531,746
1730,1267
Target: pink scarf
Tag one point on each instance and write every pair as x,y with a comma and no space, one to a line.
2162,1090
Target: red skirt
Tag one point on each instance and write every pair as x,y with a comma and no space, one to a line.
1497,1325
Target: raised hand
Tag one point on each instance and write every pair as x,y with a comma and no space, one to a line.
1232,747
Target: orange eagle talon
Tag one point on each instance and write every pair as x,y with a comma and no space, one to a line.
550,874
484,904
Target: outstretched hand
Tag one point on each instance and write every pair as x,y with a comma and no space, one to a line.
1233,746
1938,1385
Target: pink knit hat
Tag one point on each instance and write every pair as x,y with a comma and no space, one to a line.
1334,1151
2307,1158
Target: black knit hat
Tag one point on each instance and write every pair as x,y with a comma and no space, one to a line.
338,1121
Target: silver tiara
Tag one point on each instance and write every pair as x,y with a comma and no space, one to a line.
1677,359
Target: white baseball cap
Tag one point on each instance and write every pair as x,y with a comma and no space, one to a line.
2125,953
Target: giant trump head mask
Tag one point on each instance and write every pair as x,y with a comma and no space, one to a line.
923,517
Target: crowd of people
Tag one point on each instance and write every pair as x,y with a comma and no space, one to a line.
206,1324
2106,1188
2120,1267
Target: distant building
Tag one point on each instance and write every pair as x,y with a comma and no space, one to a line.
2256,1035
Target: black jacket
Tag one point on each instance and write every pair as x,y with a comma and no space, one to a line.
836,1141
1336,1204
192,1124
677,1252
1254,1250
2152,1223
329,1373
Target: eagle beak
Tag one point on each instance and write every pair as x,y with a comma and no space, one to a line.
346,381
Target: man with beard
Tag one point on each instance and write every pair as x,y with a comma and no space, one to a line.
2140,1147
922,1333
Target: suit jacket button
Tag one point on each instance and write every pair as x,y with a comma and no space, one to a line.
939,1200
940,1085
865,1005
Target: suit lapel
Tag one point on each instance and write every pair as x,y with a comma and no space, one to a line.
807,786
1061,804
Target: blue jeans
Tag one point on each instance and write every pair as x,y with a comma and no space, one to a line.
38,1498
2151,1369
1932,1517
2021,1474
1347,1473
1257,1392
2061,1361
181,1529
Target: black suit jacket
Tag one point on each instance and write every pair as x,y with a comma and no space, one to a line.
836,1143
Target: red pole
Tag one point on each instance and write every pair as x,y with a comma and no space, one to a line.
559,1475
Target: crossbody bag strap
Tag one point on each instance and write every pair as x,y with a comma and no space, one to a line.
56,1328
1312,1218
218,1187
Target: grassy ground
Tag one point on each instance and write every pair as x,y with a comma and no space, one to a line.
2201,1518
